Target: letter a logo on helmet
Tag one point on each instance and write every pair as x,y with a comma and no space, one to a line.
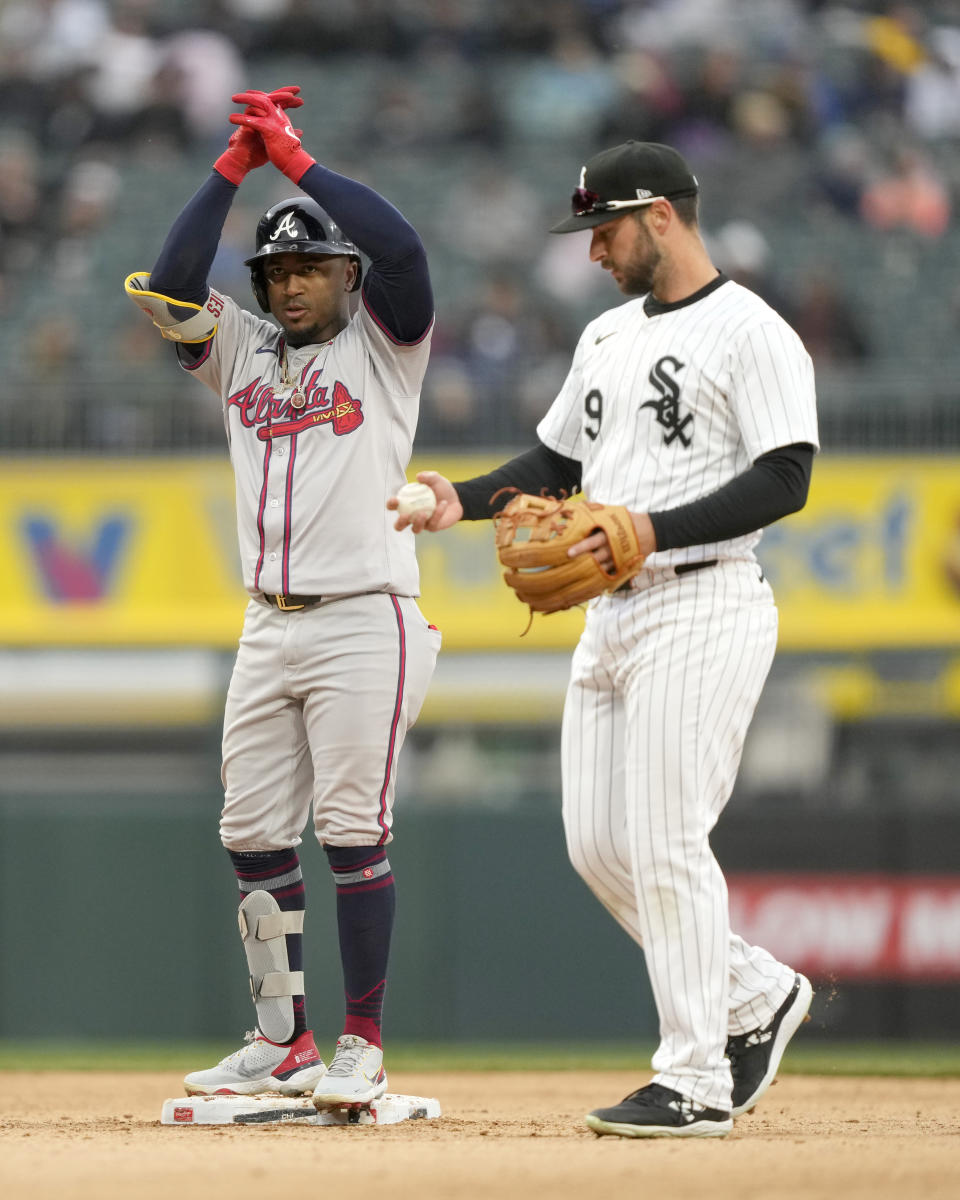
288,226
297,226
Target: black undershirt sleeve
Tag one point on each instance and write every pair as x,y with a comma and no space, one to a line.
775,486
538,470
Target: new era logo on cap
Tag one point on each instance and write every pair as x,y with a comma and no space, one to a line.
624,177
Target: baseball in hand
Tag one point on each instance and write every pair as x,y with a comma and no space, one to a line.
415,498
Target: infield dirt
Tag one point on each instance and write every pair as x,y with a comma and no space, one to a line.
514,1136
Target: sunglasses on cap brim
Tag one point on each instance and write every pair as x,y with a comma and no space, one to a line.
585,203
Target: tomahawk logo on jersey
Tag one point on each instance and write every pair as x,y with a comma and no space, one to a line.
275,416
288,411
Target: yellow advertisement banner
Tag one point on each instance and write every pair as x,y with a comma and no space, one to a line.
143,552
873,560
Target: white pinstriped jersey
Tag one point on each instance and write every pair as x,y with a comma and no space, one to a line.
312,483
661,410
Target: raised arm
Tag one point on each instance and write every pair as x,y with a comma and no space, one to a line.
397,287
183,265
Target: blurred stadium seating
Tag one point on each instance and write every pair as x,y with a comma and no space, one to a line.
822,129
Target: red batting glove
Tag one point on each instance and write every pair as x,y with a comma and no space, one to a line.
281,140
245,150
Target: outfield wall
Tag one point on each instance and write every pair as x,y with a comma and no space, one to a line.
117,919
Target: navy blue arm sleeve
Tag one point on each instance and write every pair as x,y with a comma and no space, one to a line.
185,258
397,287
775,486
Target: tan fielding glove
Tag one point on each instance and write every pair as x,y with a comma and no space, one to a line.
533,535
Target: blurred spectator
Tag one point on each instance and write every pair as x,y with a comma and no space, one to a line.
909,196
708,115
401,114
314,30
839,176
665,25
650,99
502,337
160,129
741,251
760,171
932,102
49,383
449,412
55,35
491,216
23,97
124,414
479,116
124,60
566,97
772,26
24,216
208,70
90,192
826,321
565,273
897,37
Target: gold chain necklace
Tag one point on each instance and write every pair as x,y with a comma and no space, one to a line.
297,399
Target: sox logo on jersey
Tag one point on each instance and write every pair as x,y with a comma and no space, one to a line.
667,407
730,381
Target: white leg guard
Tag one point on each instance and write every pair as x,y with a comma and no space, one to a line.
263,927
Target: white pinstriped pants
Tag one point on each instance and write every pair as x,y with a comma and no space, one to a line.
664,683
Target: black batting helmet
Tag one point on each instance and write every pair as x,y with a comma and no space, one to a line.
297,226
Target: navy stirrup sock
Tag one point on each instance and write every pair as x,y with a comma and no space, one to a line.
277,872
366,901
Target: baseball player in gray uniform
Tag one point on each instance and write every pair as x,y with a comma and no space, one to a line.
334,657
692,404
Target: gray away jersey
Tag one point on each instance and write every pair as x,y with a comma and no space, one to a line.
664,409
312,482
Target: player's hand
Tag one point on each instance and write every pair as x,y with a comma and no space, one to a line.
448,512
245,150
281,141
597,544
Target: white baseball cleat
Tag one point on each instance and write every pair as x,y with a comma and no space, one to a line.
262,1066
356,1075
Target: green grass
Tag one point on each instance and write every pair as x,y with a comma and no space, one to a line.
873,1058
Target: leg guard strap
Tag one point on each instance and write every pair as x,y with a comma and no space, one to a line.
263,927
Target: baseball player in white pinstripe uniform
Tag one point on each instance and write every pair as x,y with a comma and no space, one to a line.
335,657
693,405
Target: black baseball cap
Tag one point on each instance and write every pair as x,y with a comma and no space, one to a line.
626,177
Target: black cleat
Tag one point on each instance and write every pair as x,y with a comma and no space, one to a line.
755,1057
657,1111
